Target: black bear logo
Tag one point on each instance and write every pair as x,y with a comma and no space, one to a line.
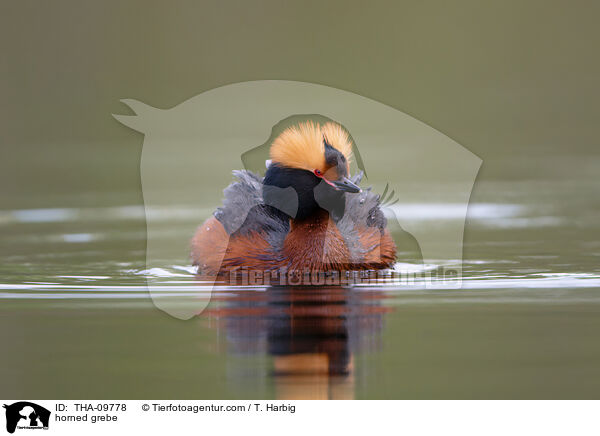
30,413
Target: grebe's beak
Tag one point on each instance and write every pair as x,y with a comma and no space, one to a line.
346,185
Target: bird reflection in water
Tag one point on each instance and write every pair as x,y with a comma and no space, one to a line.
312,334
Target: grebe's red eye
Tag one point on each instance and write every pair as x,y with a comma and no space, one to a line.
318,173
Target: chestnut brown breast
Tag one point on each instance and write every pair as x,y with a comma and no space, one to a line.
314,244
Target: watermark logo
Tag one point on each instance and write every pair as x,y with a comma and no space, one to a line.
24,415
190,151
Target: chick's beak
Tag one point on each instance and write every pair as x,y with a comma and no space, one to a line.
346,185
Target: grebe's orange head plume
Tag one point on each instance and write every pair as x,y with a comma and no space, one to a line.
312,158
300,147
339,138
311,147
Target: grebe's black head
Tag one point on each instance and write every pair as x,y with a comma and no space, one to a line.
314,161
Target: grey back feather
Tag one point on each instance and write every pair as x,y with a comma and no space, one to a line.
243,201
239,198
362,210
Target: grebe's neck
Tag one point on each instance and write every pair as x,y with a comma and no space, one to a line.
314,197
317,221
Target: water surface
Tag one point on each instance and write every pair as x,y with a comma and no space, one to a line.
76,319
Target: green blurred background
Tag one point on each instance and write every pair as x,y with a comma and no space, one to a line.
506,79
